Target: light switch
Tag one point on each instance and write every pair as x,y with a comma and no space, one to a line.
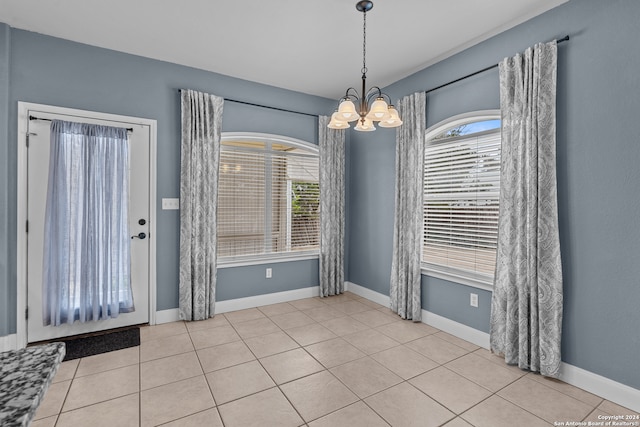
170,204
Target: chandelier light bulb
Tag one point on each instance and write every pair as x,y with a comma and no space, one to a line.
379,110
337,123
365,125
393,120
347,111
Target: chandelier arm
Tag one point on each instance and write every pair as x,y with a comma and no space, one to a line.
378,93
354,96
375,90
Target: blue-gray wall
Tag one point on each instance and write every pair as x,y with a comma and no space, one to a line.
598,160
47,70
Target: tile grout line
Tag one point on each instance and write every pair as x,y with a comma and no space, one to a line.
560,391
204,376
139,386
325,369
525,409
276,385
359,399
273,379
66,395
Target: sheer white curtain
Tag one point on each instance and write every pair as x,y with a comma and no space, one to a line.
86,246
199,166
407,234
526,308
332,189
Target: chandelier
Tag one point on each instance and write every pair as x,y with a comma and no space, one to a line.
379,111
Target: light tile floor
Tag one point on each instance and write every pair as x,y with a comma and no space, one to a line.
337,361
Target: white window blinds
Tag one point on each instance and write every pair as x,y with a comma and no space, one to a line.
461,189
268,201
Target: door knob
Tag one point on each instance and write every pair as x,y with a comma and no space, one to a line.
140,236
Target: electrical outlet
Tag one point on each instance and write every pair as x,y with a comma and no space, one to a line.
473,300
269,273
170,204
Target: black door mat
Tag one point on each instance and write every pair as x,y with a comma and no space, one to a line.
100,342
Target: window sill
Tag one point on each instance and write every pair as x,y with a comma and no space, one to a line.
266,259
458,277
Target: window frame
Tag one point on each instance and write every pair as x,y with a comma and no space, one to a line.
247,260
451,274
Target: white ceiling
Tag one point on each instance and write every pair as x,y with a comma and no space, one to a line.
313,47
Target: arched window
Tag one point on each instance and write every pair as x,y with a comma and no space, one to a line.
268,199
461,198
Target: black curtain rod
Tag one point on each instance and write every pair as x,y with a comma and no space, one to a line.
268,107
271,108
564,39
49,120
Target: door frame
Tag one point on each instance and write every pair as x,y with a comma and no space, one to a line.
24,110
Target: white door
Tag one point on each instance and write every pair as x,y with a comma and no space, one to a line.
37,177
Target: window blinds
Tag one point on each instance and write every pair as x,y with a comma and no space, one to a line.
268,200
462,189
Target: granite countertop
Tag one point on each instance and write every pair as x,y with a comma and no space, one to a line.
25,376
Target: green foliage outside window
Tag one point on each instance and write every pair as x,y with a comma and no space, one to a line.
305,200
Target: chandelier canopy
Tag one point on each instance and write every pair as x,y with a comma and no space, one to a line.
380,110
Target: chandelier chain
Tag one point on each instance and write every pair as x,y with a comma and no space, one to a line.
364,42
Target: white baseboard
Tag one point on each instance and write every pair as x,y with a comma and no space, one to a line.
606,388
367,293
167,316
172,315
447,325
614,391
452,327
9,342
266,299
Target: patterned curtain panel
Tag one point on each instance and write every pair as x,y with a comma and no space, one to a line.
407,233
86,246
526,309
199,164
331,209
